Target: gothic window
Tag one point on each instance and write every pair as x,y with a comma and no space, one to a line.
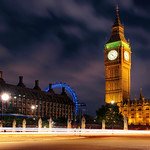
111,86
108,86
147,114
115,85
116,72
111,73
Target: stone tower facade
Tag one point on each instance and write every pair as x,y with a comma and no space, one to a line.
117,57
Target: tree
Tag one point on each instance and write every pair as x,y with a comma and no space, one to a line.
110,113
89,119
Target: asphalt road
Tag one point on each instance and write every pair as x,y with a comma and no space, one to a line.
46,142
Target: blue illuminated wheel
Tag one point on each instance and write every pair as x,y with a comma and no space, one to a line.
69,90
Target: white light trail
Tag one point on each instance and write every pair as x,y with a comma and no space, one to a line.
83,132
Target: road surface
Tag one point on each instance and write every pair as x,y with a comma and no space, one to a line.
47,142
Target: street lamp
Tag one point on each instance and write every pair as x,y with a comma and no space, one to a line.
33,107
112,102
4,97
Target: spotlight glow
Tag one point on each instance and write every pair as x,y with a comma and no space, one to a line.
5,96
32,107
112,102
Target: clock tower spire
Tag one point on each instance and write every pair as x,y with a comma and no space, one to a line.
117,33
117,19
117,53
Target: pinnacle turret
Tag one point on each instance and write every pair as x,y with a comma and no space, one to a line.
117,29
117,19
141,95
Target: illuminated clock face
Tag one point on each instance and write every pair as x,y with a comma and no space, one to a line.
126,56
112,55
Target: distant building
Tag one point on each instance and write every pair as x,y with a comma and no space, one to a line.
35,102
117,58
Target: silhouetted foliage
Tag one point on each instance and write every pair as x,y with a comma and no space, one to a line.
89,119
110,113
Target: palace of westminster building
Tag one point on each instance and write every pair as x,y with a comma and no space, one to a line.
117,59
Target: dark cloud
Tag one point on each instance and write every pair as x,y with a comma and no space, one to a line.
53,40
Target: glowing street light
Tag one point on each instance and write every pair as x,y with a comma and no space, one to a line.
112,102
4,97
33,107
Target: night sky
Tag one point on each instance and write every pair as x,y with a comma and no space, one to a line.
63,41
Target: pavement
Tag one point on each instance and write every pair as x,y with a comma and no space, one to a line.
49,142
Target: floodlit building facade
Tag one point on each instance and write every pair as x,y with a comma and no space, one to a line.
137,111
34,101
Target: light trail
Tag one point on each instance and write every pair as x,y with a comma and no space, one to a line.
83,132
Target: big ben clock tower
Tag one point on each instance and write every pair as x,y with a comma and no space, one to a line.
117,57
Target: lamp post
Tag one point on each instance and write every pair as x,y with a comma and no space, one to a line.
112,102
33,107
4,98
33,111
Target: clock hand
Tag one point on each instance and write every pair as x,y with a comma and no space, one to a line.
112,55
